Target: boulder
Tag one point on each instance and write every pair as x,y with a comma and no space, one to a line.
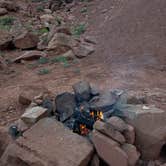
60,43
3,11
83,50
5,40
29,55
48,143
104,102
82,91
132,153
108,130
28,92
129,134
65,105
109,150
34,114
117,123
150,127
26,40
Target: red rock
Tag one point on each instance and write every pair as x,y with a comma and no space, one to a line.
29,55
48,143
117,123
26,40
109,150
108,130
129,134
132,153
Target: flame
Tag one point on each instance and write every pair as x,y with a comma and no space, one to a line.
83,129
100,115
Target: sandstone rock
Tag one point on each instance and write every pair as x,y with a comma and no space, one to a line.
29,55
26,40
95,160
150,127
132,153
117,123
104,102
28,92
83,50
129,134
60,43
3,11
82,91
65,105
48,143
108,130
109,150
32,115
5,40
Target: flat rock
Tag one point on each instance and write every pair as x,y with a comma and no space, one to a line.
109,130
48,143
26,40
65,105
150,127
32,115
82,91
132,153
104,102
109,150
29,55
117,123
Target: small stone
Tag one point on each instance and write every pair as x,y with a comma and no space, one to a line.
3,11
132,153
108,130
82,91
117,123
129,134
29,55
83,50
65,105
32,115
26,40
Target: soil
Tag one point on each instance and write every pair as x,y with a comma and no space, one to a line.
130,55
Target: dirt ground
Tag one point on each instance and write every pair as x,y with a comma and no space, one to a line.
130,54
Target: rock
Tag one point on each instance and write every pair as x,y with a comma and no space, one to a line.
90,39
60,43
21,125
95,160
104,102
47,18
48,143
136,99
94,91
129,134
5,40
47,103
26,40
132,153
69,55
150,127
3,11
4,139
108,130
65,105
29,55
55,5
47,11
32,115
109,150
9,5
83,50
64,30
117,123
82,91
28,92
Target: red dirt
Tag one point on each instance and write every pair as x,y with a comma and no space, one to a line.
130,54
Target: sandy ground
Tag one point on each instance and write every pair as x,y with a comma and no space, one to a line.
130,54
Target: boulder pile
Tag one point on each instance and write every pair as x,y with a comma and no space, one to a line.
125,135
